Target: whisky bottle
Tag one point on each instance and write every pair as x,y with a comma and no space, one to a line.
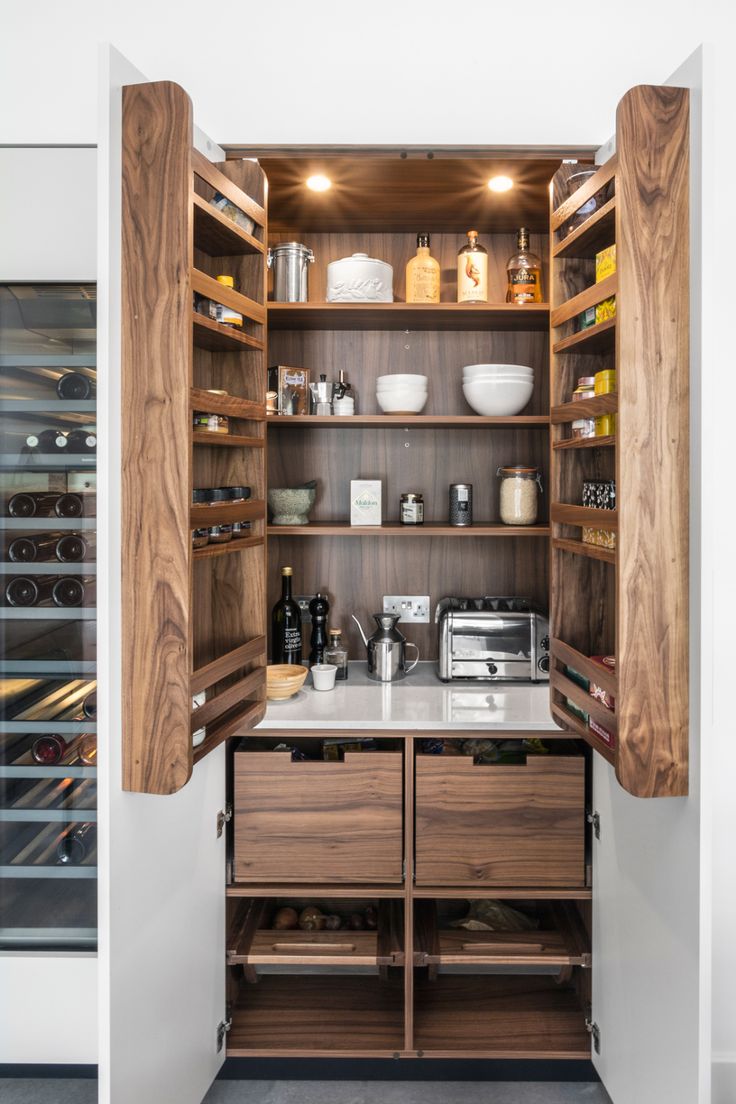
286,625
524,272
472,271
423,275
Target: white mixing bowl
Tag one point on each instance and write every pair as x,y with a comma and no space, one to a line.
498,398
402,400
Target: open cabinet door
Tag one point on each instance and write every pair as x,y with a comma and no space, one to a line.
161,858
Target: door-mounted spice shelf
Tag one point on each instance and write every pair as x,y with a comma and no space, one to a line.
208,287
226,664
217,180
573,203
585,408
219,236
226,440
208,334
585,443
595,233
563,688
564,514
236,545
202,517
600,338
589,297
236,721
582,548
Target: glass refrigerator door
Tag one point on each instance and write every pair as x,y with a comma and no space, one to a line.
48,728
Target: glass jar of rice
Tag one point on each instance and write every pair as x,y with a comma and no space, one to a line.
519,498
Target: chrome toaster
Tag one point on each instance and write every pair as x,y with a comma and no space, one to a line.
499,639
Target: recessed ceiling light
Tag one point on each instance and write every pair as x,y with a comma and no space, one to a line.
500,183
319,183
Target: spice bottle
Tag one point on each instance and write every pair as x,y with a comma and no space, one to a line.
226,316
337,654
239,495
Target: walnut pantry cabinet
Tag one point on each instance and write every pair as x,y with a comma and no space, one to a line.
394,839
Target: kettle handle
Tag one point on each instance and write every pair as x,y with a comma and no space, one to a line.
409,644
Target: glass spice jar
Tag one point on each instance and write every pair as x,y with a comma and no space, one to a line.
411,509
210,423
200,537
583,427
219,533
519,495
238,495
585,389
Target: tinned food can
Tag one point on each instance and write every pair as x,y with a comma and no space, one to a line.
461,504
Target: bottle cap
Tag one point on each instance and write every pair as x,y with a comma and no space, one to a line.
217,494
423,240
472,234
237,492
287,571
226,280
335,632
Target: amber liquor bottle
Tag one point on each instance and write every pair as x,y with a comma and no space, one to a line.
524,272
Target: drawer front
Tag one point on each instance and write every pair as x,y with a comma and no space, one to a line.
318,822
500,825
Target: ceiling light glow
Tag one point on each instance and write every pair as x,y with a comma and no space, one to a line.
319,183
500,183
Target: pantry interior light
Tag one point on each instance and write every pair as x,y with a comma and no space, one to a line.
319,183
500,183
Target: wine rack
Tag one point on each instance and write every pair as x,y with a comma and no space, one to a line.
48,803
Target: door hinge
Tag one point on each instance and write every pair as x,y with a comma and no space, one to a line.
222,1029
224,817
595,820
595,1032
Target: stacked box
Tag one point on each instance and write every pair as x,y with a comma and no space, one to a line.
605,263
292,388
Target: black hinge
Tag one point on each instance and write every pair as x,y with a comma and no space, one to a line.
595,820
224,817
595,1032
222,1029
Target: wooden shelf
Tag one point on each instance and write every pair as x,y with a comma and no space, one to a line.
408,316
204,516
590,297
221,339
597,232
564,514
318,890
395,529
216,179
565,717
239,544
400,421
318,1017
600,338
507,893
499,1017
582,548
217,235
225,665
585,408
219,293
243,716
585,192
226,440
230,405
585,442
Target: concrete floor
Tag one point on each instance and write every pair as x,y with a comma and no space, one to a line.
62,1091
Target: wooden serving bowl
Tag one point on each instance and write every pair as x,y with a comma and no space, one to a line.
283,680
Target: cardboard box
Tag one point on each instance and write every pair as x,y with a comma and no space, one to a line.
292,388
605,310
605,263
365,501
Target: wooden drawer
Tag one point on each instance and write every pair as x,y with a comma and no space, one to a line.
500,825
318,822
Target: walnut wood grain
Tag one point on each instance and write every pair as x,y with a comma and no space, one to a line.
589,297
575,693
562,653
220,178
220,293
595,339
597,232
230,405
209,334
326,822
216,234
231,548
582,548
653,466
407,316
565,514
236,722
585,442
570,721
584,408
591,186
480,824
155,378
250,688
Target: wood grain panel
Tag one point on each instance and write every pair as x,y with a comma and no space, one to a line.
508,825
156,375
594,184
652,128
589,297
325,822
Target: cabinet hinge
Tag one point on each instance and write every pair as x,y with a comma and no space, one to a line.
595,820
222,1029
224,817
595,1032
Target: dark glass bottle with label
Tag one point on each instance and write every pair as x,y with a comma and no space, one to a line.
286,625
48,440
81,440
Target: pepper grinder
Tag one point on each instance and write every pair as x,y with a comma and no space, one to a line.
319,608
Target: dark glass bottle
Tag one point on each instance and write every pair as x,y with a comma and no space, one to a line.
81,440
49,440
28,592
48,749
71,549
73,385
76,844
89,705
69,591
319,608
46,505
286,625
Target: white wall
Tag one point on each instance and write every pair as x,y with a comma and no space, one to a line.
290,71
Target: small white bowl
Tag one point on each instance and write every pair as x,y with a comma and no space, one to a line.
402,401
399,380
499,379
486,369
503,398
323,676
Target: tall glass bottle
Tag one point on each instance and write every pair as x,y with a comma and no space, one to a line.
472,271
423,275
524,271
286,625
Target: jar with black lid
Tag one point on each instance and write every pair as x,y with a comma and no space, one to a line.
219,533
200,537
238,495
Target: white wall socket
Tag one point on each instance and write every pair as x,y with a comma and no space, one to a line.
410,607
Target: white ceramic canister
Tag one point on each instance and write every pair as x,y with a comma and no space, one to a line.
360,279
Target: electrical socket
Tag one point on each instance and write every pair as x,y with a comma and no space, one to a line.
410,607
303,600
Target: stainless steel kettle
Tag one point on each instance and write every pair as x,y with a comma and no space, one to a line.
387,649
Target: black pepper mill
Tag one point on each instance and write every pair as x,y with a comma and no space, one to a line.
319,608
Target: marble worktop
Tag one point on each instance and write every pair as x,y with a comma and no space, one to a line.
418,702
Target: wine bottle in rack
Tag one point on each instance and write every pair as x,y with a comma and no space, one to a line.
76,844
74,385
42,504
72,548
48,440
89,705
81,440
69,591
48,749
23,591
87,749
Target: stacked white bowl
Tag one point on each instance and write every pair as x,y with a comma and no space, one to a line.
401,393
498,389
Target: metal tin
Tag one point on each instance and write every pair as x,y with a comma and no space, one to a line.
461,504
605,381
290,262
411,509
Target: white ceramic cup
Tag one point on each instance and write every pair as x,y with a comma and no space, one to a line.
323,676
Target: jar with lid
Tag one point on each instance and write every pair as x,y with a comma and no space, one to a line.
411,509
585,389
337,653
583,427
200,537
219,533
238,495
225,315
519,496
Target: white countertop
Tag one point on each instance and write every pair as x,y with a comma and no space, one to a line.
418,702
